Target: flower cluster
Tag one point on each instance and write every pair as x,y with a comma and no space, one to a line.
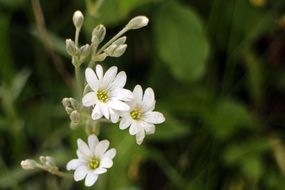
108,98
103,98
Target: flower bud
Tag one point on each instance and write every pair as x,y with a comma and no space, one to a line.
98,33
116,50
74,103
78,19
110,50
137,22
68,110
84,52
120,41
71,48
28,164
65,102
50,161
75,116
120,50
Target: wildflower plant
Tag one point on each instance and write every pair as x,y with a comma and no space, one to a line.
101,96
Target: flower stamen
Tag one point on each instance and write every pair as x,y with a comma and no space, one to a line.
135,114
102,95
93,163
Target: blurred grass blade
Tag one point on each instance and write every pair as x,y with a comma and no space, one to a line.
19,82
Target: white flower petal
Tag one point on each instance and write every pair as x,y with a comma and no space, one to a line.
106,162
154,117
134,128
92,142
110,75
125,123
83,148
101,147
91,78
140,137
122,94
80,173
99,71
90,179
96,113
100,170
149,128
119,105
110,153
114,117
89,99
138,93
148,99
104,110
73,164
82,156
120,80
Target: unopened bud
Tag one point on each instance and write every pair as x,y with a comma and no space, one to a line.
110,50
75,117
71,48
137,22
65,102
120,50
78,19
100,57
120,41
84,52
98,33
116,50
50,161
74,103
28,164
68,110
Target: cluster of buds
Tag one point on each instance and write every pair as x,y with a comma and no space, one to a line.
46,163
114,48
72,108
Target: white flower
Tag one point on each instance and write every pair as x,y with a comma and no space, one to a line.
108,95
93,160
141,117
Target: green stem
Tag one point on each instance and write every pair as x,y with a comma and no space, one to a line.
78,80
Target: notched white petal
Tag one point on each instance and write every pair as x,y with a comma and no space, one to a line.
119,105
91,78
92,142
90,179
134,129
99,71
80,173
110,75
73,164
96,113
138,93
125,123
154,117
89,99
101,147
140,137
83,148
120,80
106,162
110,153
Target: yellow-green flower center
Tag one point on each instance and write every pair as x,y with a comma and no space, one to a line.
135,114
102,95
93,163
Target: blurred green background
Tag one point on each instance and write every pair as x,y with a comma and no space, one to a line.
218,70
